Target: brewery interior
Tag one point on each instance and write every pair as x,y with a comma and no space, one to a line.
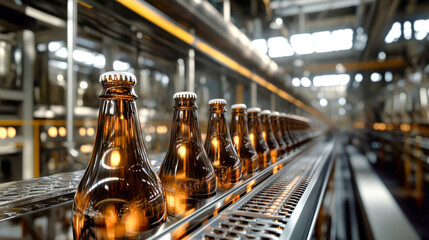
357,71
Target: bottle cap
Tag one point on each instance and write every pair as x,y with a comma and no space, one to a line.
254,109
275,113
265,112
239,105
190,95
217,101
120,78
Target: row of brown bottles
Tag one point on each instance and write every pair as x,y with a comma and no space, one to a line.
121,196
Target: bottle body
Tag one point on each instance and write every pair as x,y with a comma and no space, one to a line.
187,176
283,129
241,141
120,195
275,126
219,148
268,135
256,138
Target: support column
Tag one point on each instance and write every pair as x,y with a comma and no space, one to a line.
191,70
30,161
253,94
273,102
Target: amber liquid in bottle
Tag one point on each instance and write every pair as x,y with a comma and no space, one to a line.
187,175
285,133
256,138
290,131
268,135
275,124
120,195
241,140
219,148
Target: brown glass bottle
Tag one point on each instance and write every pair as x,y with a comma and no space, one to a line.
219,148
256,138
120,195
241,140
275,125
186,173
289,128
285,133
268,135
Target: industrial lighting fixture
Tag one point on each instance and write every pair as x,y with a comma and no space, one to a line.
305,82
341,111
323,102
382,56
260,45
358,77
388,76
408,33
296,82
394,33
83,84
421,28
121,66
331,80
279,47
375,77
342,101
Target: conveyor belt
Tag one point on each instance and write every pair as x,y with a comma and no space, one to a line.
271,210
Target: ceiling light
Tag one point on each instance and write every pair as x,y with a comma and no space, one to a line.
323,102
296,82
358,77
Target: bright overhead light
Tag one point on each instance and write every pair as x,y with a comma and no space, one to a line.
341,111
279,21
302,43
83,84
382,55
388,76
342,101
323,102
407,30
54,46
296,82
358,77
375,77
340,68
421,28
61,52
99,61
322,41
331,80
342,39
305,82
279,47
83,56
394,33
260,45
121,66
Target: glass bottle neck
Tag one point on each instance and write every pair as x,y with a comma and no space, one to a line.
254,122
275,123
218,124
266,122
185,122
239,123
